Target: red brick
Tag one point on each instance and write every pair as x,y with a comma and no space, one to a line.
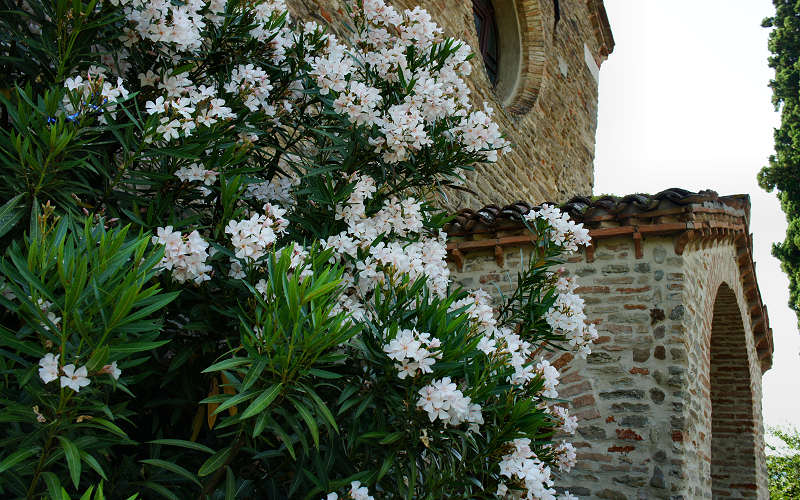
621,449
634,290
582,401
628,435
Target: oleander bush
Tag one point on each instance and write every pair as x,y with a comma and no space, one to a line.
223,263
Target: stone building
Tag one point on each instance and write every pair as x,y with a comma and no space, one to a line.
669,402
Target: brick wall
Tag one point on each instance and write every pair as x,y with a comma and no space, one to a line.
553,124
664,405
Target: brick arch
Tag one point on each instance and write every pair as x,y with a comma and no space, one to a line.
733,426
532,56
724,418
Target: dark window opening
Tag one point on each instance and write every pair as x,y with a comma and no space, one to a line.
486,27
557,9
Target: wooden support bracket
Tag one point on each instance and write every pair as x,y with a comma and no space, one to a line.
637,243
499,256
683,240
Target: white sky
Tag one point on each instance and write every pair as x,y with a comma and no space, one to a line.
684,103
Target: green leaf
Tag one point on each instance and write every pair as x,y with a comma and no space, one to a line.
183,444
133,347
324,374
53,485
391,438
262,401
177,469
226,364
305,414
109,425
230,484
87,494
235,400
321,289
94,464
8,338
17,457
10,214
161,490
215,461
73,456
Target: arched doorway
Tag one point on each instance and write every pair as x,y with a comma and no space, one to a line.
733,427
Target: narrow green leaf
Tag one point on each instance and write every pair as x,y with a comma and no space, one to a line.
183,444
262,401
17,457
324,374
94,464
109,425
73,456
53,485
133,347
226,364
235,400
230,484
321,289
161,490
391,438
10,214
177,469
306,415
215,461
87,494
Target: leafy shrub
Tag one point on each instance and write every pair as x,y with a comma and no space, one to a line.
233,282
783,465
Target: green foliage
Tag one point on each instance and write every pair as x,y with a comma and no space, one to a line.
783,466
254,380
87,294
783,172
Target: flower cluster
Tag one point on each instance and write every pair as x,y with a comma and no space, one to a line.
93,95
252,237
52,318
185,107
357,492
569,423
550,376
165,22
72,377
424,256
184,255
412,350
195,172
383,43
522,466
503,342
442,400
566,457
567,315
252,84
563,231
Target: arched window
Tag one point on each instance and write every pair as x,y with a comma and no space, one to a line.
486,27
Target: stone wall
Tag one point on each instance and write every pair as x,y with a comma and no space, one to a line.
552,116
664,406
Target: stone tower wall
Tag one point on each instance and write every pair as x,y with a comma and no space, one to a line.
552,116
644,396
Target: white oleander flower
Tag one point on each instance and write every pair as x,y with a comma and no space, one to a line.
49,369
74,378
358,492
112,370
